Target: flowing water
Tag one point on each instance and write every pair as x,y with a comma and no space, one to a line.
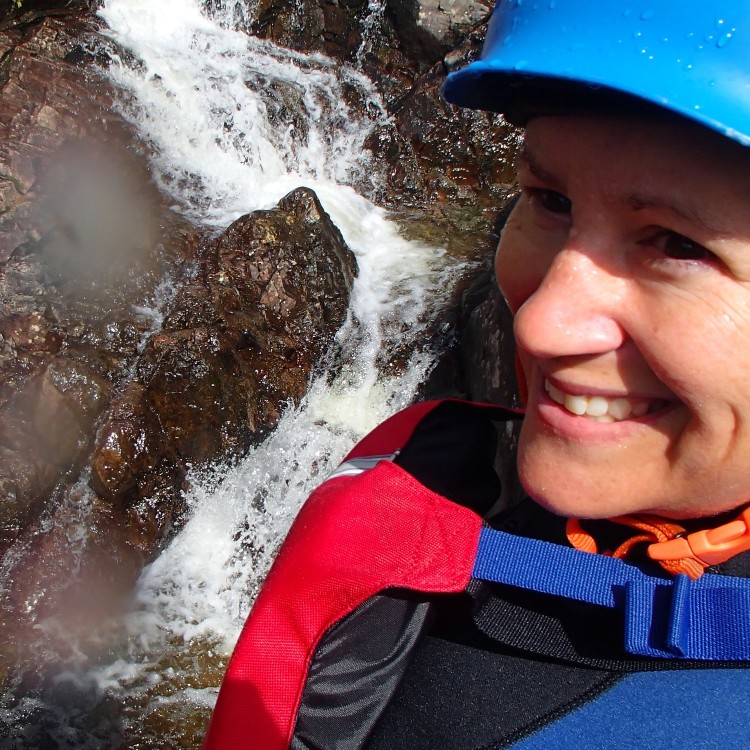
234,124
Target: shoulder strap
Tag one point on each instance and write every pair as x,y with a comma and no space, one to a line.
396,431
672,618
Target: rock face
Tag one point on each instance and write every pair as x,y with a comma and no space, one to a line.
399,38
241,337
437,155
428,29
79,221
31,10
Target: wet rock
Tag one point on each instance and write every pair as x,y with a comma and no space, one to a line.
27,11
487,349
240,340
392,41
432,155
440,154
272,291
128,445
430,28
330,26
73,185
356,32
85,238
68,581
45,429
85,241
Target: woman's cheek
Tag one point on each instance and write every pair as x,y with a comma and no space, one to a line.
519,264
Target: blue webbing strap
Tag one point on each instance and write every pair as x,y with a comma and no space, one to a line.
706,619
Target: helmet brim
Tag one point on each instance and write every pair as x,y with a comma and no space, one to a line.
521,96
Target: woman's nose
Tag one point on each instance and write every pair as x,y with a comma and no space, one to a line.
574,310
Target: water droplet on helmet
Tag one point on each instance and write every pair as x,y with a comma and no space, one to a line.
521,64
723,40
646,14
552,4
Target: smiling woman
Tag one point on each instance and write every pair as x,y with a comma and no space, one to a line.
627,264
410,607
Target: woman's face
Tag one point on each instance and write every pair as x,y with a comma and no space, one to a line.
627,265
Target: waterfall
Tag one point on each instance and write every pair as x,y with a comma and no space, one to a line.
237,122
233,124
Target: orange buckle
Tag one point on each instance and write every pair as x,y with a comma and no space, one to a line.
709,546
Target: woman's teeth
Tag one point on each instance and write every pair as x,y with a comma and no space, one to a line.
599,408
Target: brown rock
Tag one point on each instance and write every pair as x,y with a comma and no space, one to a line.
428,29
27,11
45,430
127,446
242,338
319,26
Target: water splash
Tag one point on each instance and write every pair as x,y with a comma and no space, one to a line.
371,26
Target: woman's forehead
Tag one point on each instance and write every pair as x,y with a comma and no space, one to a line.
641,161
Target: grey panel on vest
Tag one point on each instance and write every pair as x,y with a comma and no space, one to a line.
356,670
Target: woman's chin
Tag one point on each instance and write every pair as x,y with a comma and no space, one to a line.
567,494
567,508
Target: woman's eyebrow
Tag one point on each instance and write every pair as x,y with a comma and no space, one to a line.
640,201
527,159
637,201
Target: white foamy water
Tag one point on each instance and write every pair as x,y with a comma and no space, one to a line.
237,122
215,106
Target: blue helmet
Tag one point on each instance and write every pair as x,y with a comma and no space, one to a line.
691,57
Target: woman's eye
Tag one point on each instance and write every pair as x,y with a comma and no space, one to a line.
679,247
552,201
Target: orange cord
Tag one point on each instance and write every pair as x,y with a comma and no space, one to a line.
654,530
580,538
